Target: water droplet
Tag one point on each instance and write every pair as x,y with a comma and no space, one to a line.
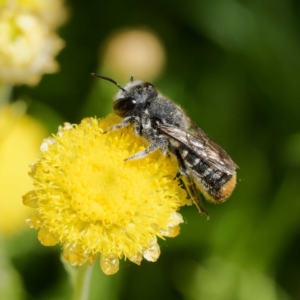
75,254
152,253
136,258
109,264
34,221
170,231
176,219
30,199
46,238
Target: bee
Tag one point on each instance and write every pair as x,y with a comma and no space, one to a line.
203,164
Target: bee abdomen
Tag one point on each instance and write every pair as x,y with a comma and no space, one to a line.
215,185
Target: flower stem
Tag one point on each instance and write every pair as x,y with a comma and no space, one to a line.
82,282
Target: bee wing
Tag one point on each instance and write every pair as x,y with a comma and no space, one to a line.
201,145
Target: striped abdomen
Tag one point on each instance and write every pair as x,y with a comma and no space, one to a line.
214,184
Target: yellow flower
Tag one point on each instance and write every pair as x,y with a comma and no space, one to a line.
27,47
20,136
92,202
53,12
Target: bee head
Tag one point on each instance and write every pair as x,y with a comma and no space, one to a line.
135,93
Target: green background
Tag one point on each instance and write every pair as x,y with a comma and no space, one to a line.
234,66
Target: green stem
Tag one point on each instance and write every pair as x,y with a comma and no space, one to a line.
82,282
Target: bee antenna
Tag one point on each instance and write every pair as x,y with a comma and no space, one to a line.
108,79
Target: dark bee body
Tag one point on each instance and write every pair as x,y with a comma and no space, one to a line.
212,181
205,166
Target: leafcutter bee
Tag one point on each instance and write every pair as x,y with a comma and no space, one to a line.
203,164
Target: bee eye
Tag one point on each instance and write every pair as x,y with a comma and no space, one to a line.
123,105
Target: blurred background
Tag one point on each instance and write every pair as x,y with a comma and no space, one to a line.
232,65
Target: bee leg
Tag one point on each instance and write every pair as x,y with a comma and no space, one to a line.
159,143
125,122
194,194
188,183
182,169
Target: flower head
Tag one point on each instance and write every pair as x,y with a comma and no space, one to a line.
52,12
91,201
27,46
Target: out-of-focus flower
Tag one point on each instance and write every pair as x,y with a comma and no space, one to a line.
27,46
92,202
135,52
20,136
52,12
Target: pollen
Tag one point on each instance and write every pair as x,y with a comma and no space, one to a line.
93,203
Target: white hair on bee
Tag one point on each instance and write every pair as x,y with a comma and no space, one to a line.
128,87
